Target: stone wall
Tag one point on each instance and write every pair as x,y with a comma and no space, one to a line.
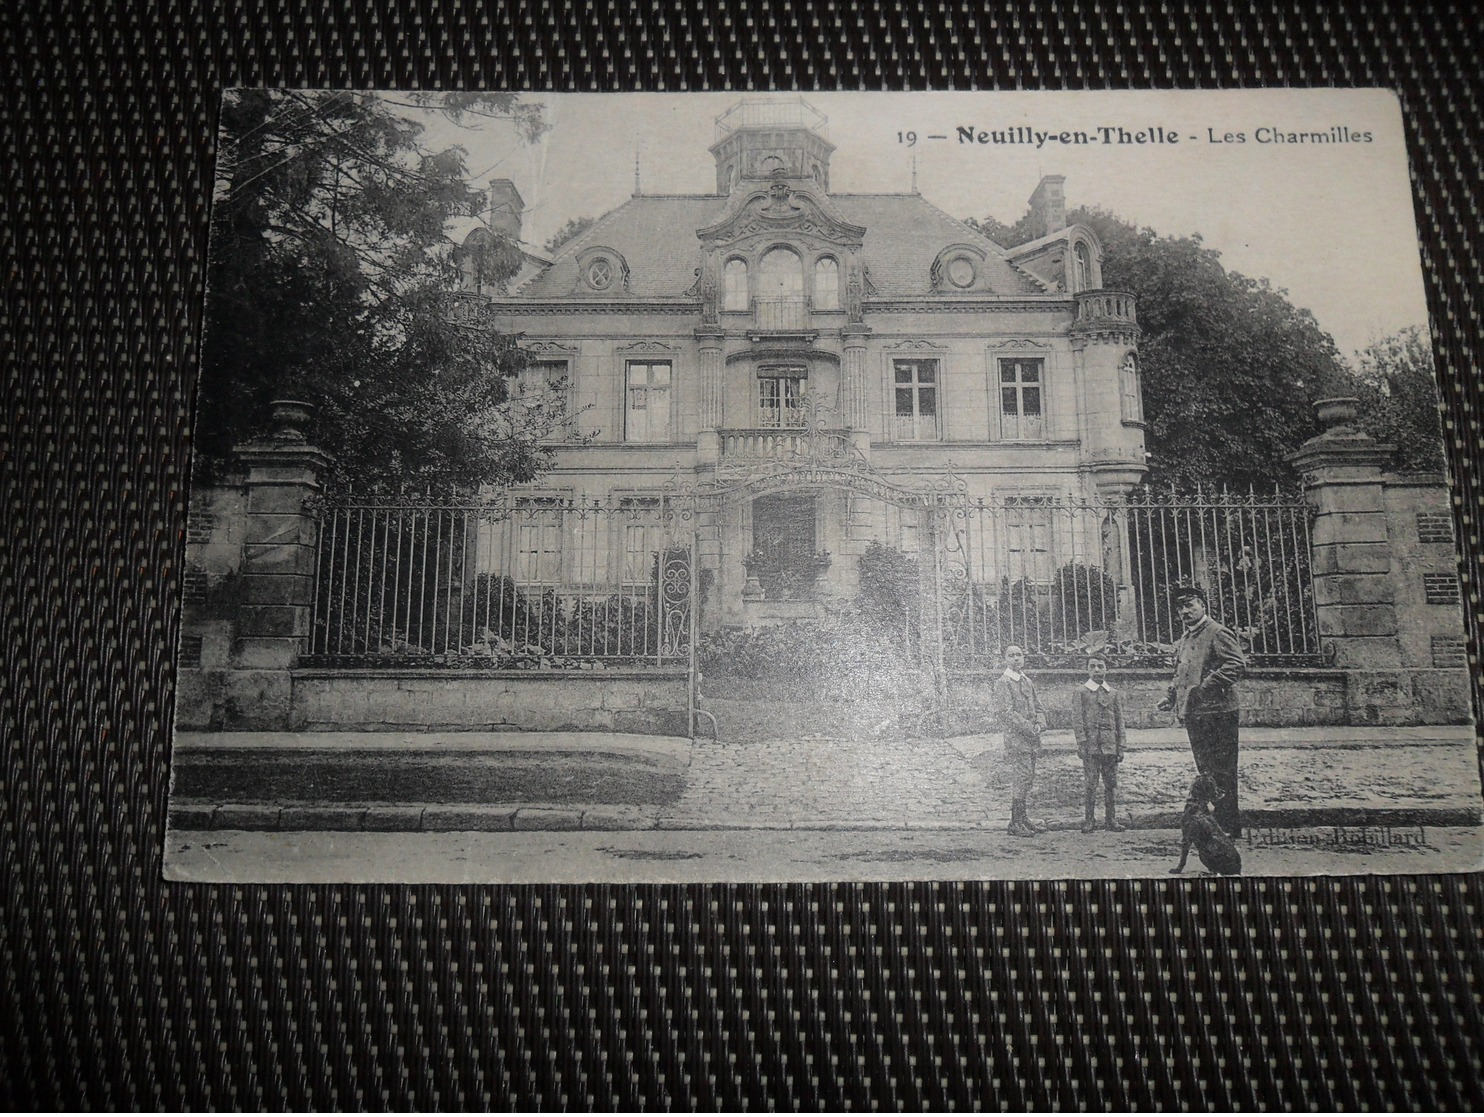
623,701
1297,696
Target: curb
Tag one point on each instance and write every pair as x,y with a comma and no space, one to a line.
445,818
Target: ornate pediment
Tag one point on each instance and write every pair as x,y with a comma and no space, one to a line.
782,208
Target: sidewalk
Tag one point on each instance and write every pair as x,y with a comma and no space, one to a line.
1299,777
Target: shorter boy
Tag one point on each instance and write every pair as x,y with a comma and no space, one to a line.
1097,721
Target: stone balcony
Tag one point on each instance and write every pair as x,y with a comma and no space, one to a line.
1106,306
783,443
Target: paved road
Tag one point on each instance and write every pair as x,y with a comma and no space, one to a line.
673,856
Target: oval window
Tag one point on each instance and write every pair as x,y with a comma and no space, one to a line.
600,273
961,271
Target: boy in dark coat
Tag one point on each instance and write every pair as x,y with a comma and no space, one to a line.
1097,722
1021,717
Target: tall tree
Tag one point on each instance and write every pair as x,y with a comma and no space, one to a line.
1399,399
576,226
1230,367
332,279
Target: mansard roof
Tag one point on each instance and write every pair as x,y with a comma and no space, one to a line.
655,234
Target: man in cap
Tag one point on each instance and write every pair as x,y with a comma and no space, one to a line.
1208,663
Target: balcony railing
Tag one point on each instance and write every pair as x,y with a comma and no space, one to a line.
1105,306
783,443
781,313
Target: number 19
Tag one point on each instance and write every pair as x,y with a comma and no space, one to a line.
908,138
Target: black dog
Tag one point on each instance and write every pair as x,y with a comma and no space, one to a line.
1199,828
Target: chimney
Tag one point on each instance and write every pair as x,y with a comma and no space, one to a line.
506,208
1049,204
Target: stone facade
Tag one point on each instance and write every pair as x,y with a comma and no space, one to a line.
705,339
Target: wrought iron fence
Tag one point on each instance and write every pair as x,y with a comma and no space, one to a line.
514,581
1062,577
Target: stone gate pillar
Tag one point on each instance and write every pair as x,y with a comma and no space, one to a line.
1350,558
280,537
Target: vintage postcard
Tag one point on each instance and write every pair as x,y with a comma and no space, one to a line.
780,487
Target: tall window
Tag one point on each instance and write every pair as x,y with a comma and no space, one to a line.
641,538
916,388
1020,398
1081,267
826,284
647,402
780,399
536,382
538,541
1129,391
780,274
734,285
1028,539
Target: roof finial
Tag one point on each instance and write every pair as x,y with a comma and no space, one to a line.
638,188
914,172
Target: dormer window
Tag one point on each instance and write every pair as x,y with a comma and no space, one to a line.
826,284
781,274
600,273
601,269
1081,267
961,271
959,267
734,285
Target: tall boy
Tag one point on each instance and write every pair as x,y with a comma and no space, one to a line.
1020,715
1097,722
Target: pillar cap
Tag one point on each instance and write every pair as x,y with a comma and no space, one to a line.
1341,443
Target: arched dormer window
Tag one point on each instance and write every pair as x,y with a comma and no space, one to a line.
826,283
1081,267
780,274
734,285
1130,392
601,270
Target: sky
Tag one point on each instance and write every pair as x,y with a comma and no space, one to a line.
1332,223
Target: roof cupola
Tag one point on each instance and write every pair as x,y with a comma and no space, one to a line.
758,140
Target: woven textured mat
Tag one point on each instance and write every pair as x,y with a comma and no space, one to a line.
119,991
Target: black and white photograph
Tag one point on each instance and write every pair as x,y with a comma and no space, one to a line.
776,487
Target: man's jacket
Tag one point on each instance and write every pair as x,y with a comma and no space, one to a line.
1208,663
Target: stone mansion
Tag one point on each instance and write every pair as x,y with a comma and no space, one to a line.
820,357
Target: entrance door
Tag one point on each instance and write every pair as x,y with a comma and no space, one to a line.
784,548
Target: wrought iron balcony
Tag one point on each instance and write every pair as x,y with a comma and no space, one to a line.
781,314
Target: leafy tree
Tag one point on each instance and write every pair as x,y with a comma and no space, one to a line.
332,279
1230,367
573,228
1399,399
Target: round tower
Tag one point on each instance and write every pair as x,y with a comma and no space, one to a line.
1105,338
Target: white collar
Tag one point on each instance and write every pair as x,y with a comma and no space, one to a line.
1090,685
1013,676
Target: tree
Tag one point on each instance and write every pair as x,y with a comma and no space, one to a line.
1230,367
332,279
1399,399
573,228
